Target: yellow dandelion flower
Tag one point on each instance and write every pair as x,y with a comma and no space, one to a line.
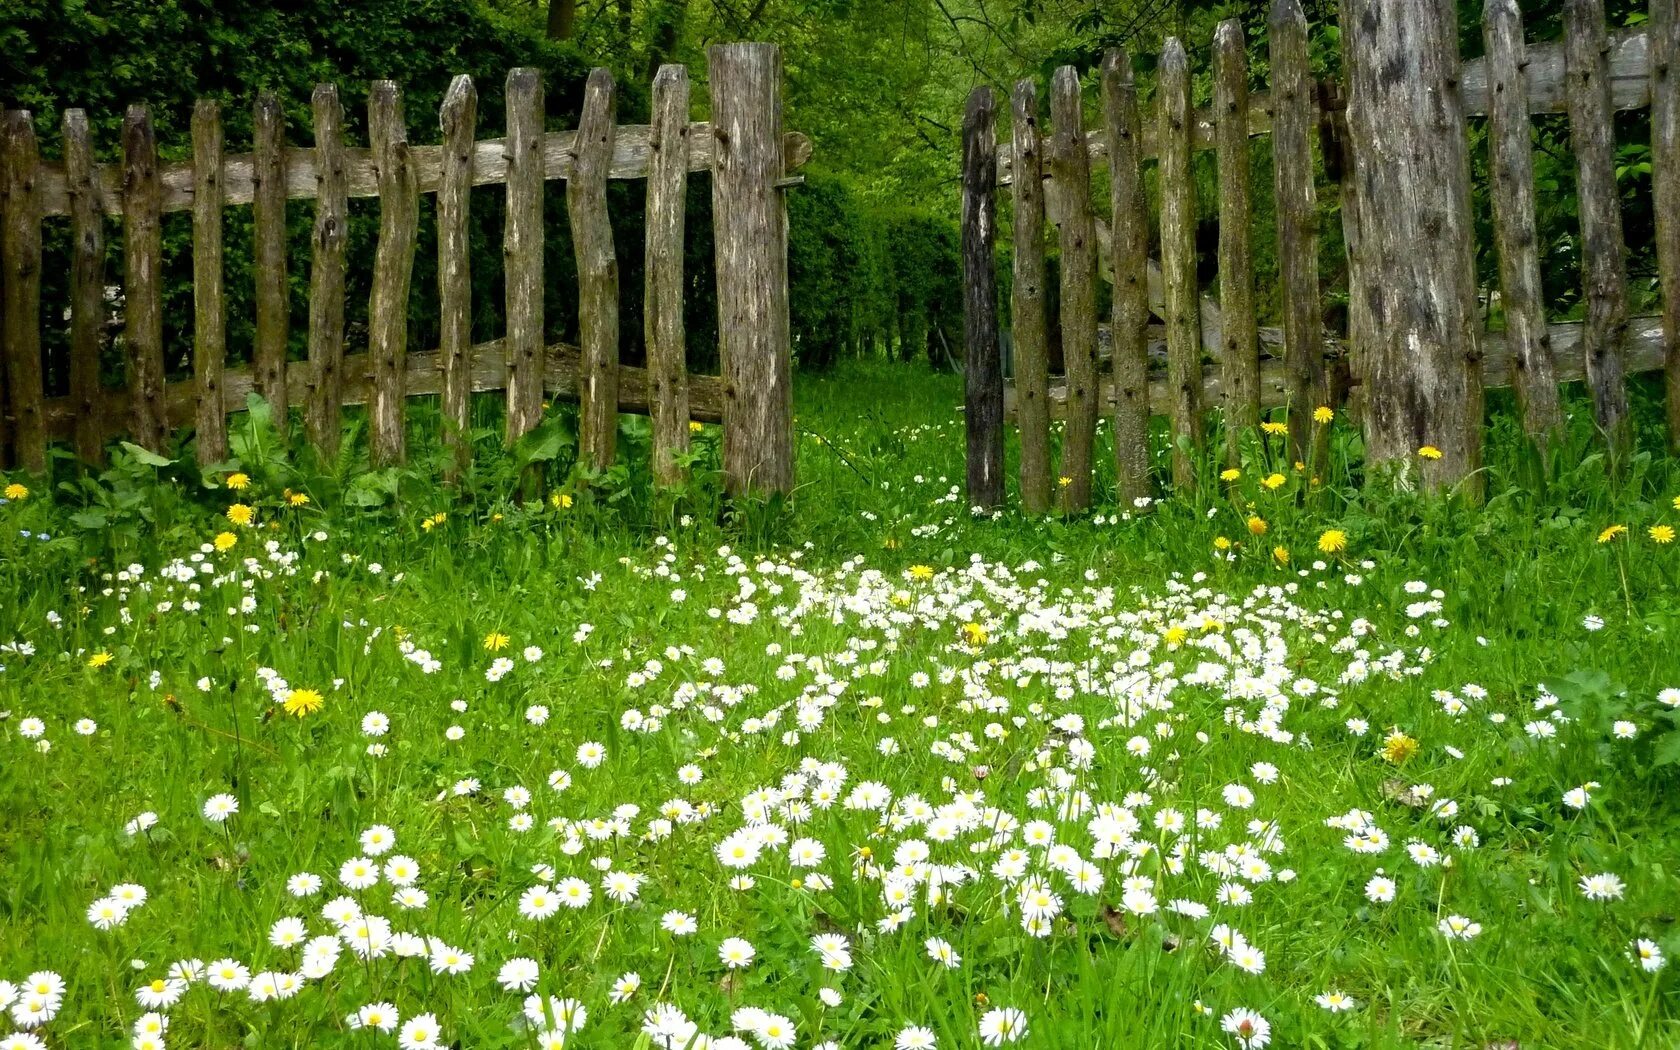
1677,503
1611,532
1257,526
1429,452
1064,481
901,598
921,572
1323,414
891,543
1274,481
1281,554
99,659
297,499
973,633
16,492
1398,747
560,500
1275,428
1661,533
427,524
1230,474
695,426
1174,636
495,641
238,481
1334,541
300,702
1221,543
241,514
225,540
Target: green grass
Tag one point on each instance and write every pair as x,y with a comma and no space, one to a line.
1124,664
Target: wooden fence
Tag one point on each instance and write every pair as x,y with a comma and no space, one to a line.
1405,201
743,147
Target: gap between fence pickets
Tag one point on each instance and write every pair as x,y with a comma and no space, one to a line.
424,376
1630,88
489,167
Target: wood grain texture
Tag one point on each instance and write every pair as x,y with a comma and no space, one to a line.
1068,203
662,302
1419,358
87,283
1603,251
983,360
749,220
393,264
209,309
1178,263
268,255
1665,188
20,273
1297,221
1128,252
522,261
597,268
1515,232
327,241
1027,305
1239,349
142,281
456,119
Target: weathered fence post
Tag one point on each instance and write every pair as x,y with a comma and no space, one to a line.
142,279
750,221
1178,263
1069,207
983,366
326,273
1239,349
456,118
662,305
1603,269
1418,357
87,285
1026,297
597,266
268,256
1511,165
1293,118
20,248
1665,187
1129,257
522,251
393,264
209,312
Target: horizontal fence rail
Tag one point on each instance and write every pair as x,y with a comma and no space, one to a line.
743,146
1398,128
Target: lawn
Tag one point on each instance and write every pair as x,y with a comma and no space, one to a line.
293,755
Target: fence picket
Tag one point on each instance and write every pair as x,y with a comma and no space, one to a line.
1129,260
597,266
662,305
1027,307
1068,202
1297,218
399,214
87,283
983,365
1511,178
209,318
1665,187
142,280
522,251
1239,349
1178,263
268,254
326,273
456,119
1603,269
20,247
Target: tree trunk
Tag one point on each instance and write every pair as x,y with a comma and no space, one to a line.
562,19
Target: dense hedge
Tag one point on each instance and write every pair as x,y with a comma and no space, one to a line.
852,268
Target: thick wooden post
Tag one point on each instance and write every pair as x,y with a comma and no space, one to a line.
1419,358
597,266
20,250
1665,186
662,304
268,255
1239,347
1027,308
1070,209
209,310
1603,268
522,251
399,214
1178,263
87,285
1511,164
983,364
1129,257
456,118
750,220
142,282
1293,120
326,273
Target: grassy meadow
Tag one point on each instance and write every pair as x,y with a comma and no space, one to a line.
303,755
